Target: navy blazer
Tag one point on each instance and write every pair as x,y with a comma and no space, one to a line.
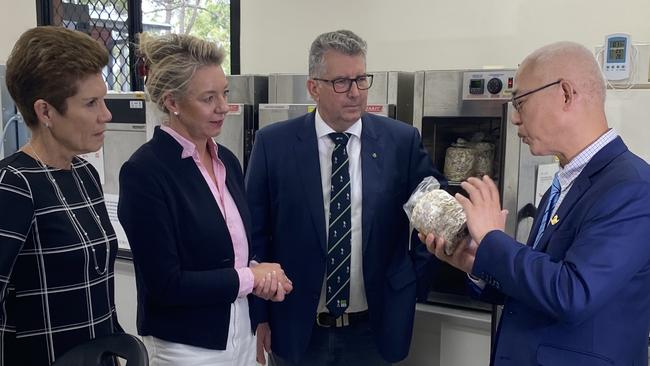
182,250
582,297
285,195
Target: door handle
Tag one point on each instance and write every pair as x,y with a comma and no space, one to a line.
529,210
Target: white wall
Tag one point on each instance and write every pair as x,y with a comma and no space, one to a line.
412,35
407,34
16,16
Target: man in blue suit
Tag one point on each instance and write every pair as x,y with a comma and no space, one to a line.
326,192
578,293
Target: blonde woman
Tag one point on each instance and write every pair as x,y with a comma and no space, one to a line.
184,211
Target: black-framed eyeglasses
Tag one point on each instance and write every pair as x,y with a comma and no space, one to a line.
515,99
343,85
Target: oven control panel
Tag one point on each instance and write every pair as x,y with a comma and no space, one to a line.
488,84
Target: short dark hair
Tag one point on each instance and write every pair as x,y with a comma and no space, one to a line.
47,63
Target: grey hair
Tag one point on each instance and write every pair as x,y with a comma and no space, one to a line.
572,61
172,60
343,41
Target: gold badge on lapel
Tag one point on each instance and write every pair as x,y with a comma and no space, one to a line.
555,220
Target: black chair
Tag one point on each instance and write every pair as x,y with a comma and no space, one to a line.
99,351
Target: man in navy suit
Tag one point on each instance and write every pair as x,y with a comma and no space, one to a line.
578,293
326,192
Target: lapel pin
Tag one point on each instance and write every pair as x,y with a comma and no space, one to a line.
374,155
555,220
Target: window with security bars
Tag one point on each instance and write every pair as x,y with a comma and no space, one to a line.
116,23
110,22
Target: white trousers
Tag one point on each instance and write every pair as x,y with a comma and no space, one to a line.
240,349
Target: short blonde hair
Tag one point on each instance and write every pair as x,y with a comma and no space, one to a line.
47,63
171,60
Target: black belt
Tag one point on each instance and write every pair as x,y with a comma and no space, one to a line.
326,320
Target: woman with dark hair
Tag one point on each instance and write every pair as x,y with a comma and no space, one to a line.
57,246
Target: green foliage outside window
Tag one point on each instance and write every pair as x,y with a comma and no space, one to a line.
207,19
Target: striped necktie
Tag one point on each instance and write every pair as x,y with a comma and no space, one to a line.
552,200
338,238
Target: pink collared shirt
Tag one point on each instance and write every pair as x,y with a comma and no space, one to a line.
226,205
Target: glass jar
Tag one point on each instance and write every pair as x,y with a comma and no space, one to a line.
484,161
459,162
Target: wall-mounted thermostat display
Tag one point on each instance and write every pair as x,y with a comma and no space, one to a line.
616,59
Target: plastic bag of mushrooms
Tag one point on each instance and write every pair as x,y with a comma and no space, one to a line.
433,210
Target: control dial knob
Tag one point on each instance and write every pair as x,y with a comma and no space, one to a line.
494,86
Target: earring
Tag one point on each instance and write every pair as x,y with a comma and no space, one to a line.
175,113
47,125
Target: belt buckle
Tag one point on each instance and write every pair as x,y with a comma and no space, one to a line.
341,321
319,323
